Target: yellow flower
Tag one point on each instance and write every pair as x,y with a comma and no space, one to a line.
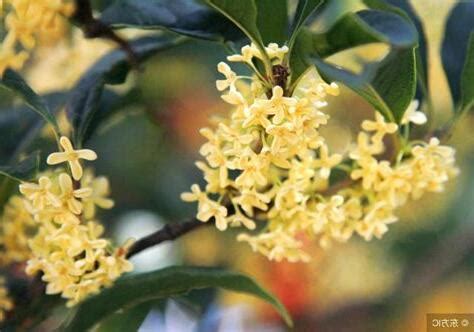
16,225
212,177
75,261
364,148
276,245
40,194
380,127
195,195
275,52
279,104
328,212
325,162
238,219
371,172
230,76
257,115
22,30
413,115
254,169
6,303
211,209
69,196
71,156
11,59
250,199
248,52
207,208
270,161
99,196
25,21
282,136
234,97
375,221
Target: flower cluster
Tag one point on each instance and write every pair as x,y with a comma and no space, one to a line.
67,247
25,21
267,161
5,303
16,226
64,62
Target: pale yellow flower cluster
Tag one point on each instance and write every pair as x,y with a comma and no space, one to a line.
64,62
16,226
25,21
267,161
67,248
6,303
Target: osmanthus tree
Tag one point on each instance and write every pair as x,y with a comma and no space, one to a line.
267,167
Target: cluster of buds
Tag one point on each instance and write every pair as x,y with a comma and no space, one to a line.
268,162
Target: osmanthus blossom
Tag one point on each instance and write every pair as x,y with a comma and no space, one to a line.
27,21
71,156
412,114
6,303
267,163
53,227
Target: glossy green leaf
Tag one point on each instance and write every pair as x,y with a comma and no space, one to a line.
389,85
22,170
83,105
467,78
353,29
186,17
422,49
456,55
126,320
272,21
19,127
304,9
300,57
135,289
12,81
243,14
364,27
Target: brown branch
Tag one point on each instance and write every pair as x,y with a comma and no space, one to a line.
94,28
168,233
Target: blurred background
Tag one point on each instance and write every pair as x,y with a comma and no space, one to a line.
424,264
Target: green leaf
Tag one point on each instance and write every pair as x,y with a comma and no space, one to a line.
304,9
300,57
19,127
135,289
364,27
353,29
455,51
243,14
189,18
467,78
23,170
389,85
272,21
421,51
83,105
12,81
128,320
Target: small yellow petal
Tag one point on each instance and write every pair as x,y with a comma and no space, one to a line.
56,158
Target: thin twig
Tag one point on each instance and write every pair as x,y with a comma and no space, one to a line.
94,28
168,233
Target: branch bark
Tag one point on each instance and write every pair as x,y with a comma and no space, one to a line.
168,233
94,28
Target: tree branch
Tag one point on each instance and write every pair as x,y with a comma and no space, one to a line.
168,233
94,28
